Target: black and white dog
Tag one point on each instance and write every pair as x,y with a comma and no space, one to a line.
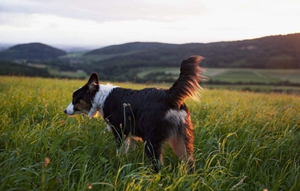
154,115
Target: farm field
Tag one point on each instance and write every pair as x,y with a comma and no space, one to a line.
234,75
254,75
243,141
261,80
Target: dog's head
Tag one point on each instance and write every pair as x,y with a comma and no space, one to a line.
83,97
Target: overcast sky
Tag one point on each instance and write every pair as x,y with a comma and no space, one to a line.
107,22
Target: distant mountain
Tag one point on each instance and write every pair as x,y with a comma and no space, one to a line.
31,51
280,51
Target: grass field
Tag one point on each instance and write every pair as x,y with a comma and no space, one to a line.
243,141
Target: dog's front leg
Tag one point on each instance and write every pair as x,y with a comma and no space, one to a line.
153,151
126,145
119,142
123,143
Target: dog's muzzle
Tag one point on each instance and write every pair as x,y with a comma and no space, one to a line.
70,109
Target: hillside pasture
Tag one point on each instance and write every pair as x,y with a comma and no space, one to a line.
265,80
233,75
243,141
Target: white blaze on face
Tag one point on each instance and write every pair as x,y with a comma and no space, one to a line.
81,108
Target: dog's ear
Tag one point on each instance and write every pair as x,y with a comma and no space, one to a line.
93,81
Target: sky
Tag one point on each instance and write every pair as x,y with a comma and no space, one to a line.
108,22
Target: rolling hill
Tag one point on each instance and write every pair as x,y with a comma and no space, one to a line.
154,62
31,51
281,51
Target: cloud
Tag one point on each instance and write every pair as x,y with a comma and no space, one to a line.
108,22
112,10
95,21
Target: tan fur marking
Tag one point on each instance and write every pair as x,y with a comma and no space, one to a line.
82,106
178,146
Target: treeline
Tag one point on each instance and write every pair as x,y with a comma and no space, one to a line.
12,69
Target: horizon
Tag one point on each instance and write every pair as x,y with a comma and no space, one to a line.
69,47
99,24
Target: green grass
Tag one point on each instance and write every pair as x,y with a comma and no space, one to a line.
169,70
243,141
70,74
244,76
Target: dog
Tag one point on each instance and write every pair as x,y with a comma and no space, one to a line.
155,116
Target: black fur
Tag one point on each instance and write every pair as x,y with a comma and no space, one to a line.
154,115
144,117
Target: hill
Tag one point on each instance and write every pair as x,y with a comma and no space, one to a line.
281,51
31,52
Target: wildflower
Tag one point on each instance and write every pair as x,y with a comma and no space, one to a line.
62,122
89,186
47,161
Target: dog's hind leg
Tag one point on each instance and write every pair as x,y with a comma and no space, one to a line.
182,148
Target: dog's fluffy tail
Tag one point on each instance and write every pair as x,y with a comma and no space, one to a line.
187,85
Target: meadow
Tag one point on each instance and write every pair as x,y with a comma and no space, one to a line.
243,141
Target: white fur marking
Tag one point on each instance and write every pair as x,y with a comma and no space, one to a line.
99,99
70,109
109,128
173,114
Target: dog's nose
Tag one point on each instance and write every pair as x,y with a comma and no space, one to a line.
65,111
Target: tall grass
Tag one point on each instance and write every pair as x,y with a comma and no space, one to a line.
243,141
